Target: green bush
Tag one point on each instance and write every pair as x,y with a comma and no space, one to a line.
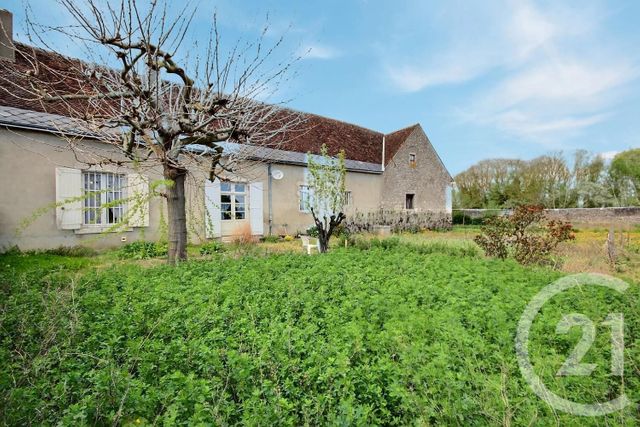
460,218
372,337
67,251
142,250
312,231
12,250
70,251
525,234
212,247
271,239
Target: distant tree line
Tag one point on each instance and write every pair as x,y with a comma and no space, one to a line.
553,181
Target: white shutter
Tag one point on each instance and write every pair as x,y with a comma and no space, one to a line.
255,209
138,196
213,220
68,198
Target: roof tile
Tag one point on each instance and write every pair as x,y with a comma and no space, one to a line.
359,144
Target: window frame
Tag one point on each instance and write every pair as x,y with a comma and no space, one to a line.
93,199
410,197
305,192
233,193
348,198
413,160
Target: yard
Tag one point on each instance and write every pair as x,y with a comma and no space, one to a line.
416,330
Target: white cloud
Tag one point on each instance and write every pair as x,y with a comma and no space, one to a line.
450,70
546,74
529,30
552,99
565,81
504,37
522,123
318,51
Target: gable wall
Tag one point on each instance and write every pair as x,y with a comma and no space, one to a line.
428,180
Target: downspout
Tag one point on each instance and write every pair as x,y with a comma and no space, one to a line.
269,188
381,205
383,151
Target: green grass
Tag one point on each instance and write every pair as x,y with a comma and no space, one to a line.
386,335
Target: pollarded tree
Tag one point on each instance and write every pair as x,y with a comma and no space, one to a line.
154,101
327,196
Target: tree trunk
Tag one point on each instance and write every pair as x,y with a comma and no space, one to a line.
324,235
323,239
177,215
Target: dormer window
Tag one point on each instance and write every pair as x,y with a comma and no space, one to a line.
412,160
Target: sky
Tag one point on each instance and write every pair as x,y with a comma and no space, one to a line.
485,79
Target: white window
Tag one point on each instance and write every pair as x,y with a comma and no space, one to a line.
412,160
347,198
103,195
306,194
233,198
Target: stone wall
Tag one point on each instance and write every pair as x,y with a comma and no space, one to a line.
630,215
428,180
616,216
398,221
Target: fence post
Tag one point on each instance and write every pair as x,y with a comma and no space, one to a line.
611,246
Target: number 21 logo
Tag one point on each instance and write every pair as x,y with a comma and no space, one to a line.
573,366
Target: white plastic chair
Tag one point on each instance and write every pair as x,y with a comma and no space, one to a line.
306,243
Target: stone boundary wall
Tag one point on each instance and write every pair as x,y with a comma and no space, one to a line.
397,221
627,215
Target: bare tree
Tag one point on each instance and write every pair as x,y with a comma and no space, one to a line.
153,100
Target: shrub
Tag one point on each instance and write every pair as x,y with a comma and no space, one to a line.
461,218
142,250
525,235
243,235
68,251
288,238
212,247
270,239
312,231
13,250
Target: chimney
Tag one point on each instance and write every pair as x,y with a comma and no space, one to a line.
7,50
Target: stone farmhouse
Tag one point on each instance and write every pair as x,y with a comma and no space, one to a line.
399,171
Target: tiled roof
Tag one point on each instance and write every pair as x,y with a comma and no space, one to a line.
36,120
58,74
46,122
360,144
394,140
357,142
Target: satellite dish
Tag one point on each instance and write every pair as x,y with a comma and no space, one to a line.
277,174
